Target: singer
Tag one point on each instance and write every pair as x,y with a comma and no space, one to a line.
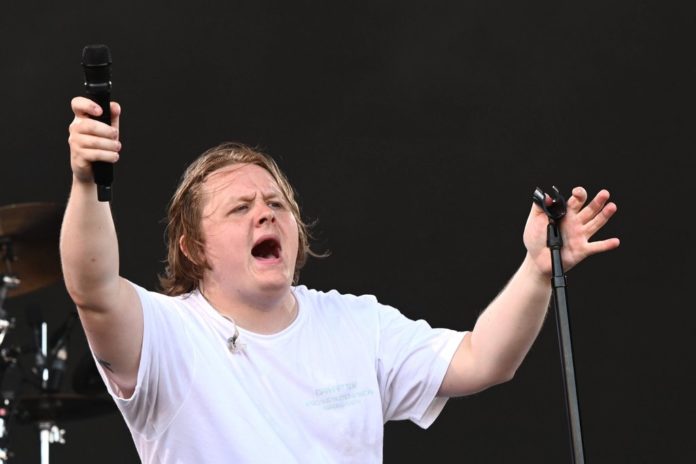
234,361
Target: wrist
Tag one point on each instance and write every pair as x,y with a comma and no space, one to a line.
532,270
83,181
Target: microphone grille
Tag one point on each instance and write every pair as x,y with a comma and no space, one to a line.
96,55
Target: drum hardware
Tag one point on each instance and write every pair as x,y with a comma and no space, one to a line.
48,409
29,246
49,433
8,282
29,260
42,365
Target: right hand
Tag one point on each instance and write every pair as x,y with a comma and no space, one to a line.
91,140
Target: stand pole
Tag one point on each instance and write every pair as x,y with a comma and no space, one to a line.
555,211
560,299
45,436
4,453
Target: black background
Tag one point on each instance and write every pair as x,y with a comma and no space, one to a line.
415,134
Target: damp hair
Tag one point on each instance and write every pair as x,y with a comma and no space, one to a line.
184,272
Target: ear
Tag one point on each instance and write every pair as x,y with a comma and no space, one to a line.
183,248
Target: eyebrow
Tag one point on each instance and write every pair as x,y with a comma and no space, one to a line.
269,195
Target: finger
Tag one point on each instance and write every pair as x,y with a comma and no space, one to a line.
602,246
115,114
594,207
87,126
82,107
600,219
92,155
536,211
90,142
577,199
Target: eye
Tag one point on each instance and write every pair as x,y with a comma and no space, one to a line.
239,208
276,204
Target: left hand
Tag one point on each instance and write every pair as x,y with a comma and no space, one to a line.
577,227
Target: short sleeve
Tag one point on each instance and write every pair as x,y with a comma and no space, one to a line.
166,370
412,362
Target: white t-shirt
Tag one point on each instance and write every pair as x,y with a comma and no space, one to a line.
319,391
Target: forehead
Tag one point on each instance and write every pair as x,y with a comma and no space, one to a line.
239,180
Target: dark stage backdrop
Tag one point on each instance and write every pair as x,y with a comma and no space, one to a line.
415,133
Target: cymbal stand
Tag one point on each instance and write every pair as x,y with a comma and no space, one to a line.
49,433
4,413
7,282
50,364
8,360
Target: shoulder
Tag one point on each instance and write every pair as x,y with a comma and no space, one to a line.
333,300
359,310
159,306
161,298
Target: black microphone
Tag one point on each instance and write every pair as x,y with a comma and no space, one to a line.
96,62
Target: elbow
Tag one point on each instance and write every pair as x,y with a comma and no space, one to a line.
501,376
89,297
502,370
79,294
82,299
507,376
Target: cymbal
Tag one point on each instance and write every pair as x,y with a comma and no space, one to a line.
61,407
32,231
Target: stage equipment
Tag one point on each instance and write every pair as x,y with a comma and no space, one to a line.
96,62
29,257
61,407
86,379
556,210
29,260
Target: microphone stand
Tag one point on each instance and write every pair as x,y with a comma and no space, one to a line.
555,212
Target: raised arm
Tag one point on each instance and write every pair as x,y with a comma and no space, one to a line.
109,307
504,333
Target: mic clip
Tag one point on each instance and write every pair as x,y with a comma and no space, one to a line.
556,209
233,343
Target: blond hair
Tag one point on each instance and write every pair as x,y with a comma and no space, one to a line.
183,272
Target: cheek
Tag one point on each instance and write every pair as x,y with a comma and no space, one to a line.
295,235
299,252
223,246
291,233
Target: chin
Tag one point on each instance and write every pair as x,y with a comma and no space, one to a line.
275,285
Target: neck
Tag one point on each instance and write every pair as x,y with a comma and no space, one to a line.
263,314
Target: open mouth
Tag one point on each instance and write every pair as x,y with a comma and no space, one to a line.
266,249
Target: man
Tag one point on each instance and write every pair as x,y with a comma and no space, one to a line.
235,364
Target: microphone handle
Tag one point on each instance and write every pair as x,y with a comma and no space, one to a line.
100,94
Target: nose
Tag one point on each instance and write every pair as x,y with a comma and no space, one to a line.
266,215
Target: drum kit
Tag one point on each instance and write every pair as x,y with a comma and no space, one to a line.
29,261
